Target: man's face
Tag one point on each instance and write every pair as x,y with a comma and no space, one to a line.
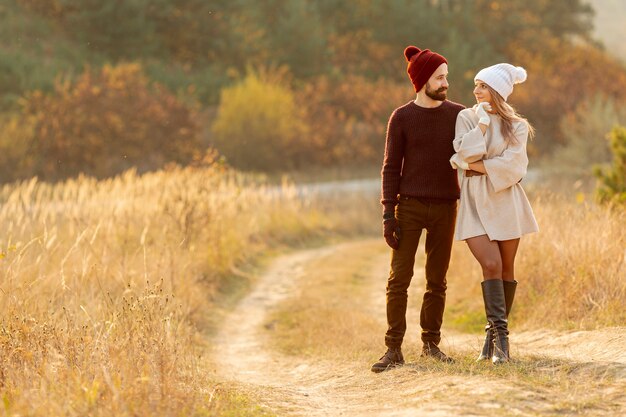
437,85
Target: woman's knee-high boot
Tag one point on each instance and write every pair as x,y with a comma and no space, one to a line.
509,295
487,351
495,309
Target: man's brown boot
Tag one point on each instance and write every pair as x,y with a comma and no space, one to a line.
392,358
431,350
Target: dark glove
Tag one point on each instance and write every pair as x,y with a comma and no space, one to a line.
392,232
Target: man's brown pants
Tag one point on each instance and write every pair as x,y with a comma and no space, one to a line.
438,219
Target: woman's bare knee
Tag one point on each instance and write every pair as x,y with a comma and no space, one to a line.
492,268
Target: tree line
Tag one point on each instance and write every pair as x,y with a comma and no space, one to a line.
97,87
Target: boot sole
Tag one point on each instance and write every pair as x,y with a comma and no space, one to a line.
379,369
447,359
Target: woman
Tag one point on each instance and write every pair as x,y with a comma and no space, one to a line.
490,145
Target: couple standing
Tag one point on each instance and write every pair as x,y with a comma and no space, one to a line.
427,139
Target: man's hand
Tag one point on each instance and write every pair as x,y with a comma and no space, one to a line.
481,111
392,232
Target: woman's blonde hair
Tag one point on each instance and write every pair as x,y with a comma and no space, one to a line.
508,115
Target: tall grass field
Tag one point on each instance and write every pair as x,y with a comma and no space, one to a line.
110,290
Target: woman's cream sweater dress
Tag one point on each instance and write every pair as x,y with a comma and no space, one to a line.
493,204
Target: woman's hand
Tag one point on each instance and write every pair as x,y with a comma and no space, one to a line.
457,163
481,111
478,166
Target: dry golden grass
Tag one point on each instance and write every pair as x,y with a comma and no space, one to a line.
108,288
571,274
335,321
331,314
578,262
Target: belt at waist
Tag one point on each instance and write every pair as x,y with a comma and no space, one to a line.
427,200
470,173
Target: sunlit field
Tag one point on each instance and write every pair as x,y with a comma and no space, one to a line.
109,288
567,325
190,221
571,274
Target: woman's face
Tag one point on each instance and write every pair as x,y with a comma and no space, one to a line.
481,92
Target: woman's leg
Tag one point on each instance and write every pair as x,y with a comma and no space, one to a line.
508,250
487,253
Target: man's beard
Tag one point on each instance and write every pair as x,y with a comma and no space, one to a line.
439,95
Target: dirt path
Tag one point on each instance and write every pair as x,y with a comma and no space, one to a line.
292,386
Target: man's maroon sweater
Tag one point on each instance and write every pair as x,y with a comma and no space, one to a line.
417,153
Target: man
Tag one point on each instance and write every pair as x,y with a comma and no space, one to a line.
419,191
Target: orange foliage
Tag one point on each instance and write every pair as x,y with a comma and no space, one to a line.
108,121
357,53
50,8
560,78
349,117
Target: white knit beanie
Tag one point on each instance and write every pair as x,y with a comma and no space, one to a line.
501,78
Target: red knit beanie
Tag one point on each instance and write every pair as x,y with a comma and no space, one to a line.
421,65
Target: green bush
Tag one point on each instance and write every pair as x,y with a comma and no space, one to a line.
612,181
118,29
585,129
34,50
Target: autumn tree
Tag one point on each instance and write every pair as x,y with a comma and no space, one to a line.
259,126
108,121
